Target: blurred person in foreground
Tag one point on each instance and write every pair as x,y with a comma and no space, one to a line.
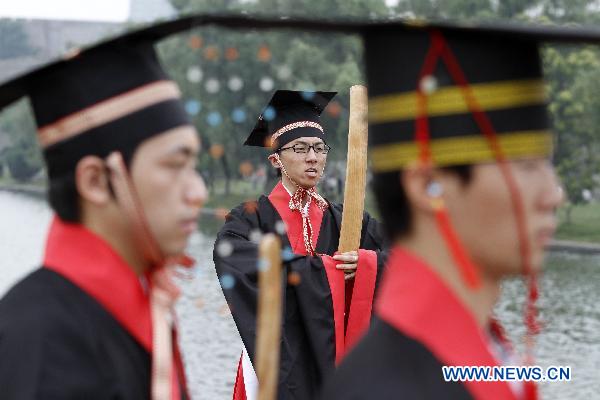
94,321
462,176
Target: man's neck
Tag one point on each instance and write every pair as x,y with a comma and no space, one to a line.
120,243
431,247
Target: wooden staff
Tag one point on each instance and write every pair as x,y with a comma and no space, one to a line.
268,322
356,171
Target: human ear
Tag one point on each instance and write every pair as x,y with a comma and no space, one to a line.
275,161
91,180
423,188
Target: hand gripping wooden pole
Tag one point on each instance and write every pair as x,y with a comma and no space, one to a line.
268,322
356,171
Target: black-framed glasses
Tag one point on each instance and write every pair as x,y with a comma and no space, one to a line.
302,148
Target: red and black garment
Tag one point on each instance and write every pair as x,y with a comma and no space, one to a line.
80,327
420,326
314,337
103,101
447,96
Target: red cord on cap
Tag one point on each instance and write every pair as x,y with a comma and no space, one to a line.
439,49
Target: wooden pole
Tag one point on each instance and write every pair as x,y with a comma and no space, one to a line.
268,323
356,171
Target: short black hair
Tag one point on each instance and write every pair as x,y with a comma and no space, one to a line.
63,196
392,203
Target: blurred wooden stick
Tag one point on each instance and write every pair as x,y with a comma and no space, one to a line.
268,322
356,171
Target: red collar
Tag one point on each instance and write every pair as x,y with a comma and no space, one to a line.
89,262
280,198
414,300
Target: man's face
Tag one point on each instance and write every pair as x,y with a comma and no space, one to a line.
483,215
304,169
170,189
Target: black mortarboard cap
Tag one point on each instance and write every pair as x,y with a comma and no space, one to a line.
109,97
288,116
454,96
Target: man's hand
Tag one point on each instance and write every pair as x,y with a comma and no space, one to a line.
350,262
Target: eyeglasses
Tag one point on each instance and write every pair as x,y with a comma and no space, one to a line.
300,148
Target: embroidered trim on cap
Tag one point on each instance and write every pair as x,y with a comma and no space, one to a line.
295,125
107,111
451,100
472,149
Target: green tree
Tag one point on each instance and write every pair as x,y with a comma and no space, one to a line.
574,102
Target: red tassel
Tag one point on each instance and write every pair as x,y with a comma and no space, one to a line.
467,268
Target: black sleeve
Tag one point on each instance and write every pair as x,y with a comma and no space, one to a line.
43,358
307,303
236,262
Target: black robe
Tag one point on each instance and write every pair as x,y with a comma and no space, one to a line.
57,342
388,365
308,348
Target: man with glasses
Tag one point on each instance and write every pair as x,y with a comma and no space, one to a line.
328,296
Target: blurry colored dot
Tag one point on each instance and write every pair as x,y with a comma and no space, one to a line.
224,248
284,72
255,236
294,278
334,109
250,206
264,54
266,84
194,74
212,85
225,310
195,42
428,84
269,113
199,302
216,150
235,83
71,53
287,254
231,54
270,142
214,118
263,264
227,281
308,95
221,212
211,53
280,227
192,107
238,115
246,168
